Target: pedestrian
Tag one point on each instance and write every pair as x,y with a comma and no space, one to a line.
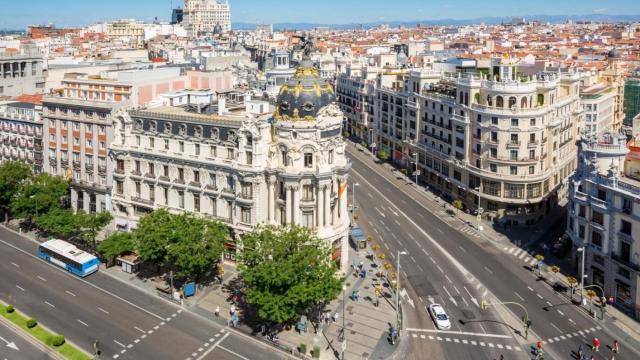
217,311
596,344
584,357
361,265
335,317
232,310
616,346
580,352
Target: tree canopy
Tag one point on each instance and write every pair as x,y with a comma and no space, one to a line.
38,195
288,271
116,244
12,174
191,245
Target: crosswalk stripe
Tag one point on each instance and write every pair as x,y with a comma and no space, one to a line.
500,346
580,332
593,329
414,335
508,347
562,337
482,344
532,261
422,337
474,342
550,341
431,337
522,255
511,250
517,252
491,345
556,338
465,341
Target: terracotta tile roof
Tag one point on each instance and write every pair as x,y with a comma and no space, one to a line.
31,99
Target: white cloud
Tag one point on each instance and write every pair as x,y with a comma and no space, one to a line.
600,11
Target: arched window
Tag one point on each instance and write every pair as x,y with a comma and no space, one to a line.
523,102
512,102
476,98
540,100
499,101
489,100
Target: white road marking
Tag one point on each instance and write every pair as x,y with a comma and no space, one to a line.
204,354
560,312
540,296
519,297
549,303
14,264
422,337
20,287
449,280
465,341
456,341
474,343
156,327
489,271
439,268
119,343
482,344
533,261
103,310
499,346
517,252
116,356
41,278
482,328
456,289
555,327
136,341
511,250
522,255
571,321
411,236
81,280
461,248
70,293
420,267
232,352
82,322
369,194
413,259
530,288
50,304
137,328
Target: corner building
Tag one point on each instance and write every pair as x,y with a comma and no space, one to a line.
289,168
506,138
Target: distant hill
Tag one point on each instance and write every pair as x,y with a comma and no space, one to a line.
412,23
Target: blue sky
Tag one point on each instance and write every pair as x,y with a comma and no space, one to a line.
16,14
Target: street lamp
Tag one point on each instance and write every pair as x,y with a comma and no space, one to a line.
479,216
371,141
34,197
353,197
582,249
344,314
417,172
398,289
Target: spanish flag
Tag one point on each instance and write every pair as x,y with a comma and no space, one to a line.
342,189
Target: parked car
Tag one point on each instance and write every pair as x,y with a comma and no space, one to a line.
439,316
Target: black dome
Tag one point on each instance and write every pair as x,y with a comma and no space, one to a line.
614,54
302,96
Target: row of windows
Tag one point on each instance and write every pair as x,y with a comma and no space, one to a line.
77,113
214,152
88,142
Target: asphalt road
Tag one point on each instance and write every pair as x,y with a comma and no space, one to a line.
14,346
438,247
128,323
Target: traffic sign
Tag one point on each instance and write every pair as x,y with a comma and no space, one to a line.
374,145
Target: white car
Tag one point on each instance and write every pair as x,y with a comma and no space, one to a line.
439,317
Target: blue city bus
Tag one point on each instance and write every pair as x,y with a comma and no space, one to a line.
68,257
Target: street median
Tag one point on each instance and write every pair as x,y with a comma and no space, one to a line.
45,338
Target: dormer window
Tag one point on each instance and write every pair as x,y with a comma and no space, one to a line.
138,125
198,131
308,107
167,128
183,129
214,133
153,126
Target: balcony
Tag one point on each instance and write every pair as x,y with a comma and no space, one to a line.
119,171
513,144
64,162
102,169
625,262
89,167
76,164
533,144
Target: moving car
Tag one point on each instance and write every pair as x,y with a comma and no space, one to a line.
440,317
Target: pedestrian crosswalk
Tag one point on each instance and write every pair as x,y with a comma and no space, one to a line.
578,333
454,339
521,255
468,230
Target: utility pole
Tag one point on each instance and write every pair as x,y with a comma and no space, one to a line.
582,249
398,289
344,314
479,216
484,305
353,197
417,172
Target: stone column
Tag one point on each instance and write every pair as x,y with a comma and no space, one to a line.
271,205
296,205
320,206
289,202
327,205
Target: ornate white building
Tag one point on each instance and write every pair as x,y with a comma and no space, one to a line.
287,169
206,17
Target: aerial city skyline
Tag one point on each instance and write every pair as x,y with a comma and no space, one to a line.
258,180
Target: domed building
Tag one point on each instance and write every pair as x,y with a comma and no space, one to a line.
309,168
244,169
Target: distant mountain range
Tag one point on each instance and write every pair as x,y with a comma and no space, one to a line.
413,23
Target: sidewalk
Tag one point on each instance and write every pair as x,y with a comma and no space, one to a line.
366,325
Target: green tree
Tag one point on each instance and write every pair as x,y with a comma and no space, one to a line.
90,224
383,155
12,175
116,245
457,204
197,247
288,271
58,222
154,234
38,195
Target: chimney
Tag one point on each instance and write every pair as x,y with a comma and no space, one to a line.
222,105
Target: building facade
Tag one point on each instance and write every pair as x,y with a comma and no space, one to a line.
598,104
286,169
21,134
22,72
631,99
604,198
507,139
77,133
356,91
201,17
